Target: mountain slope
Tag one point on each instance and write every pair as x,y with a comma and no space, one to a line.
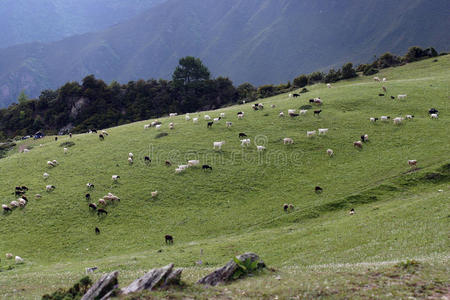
24,21
257,41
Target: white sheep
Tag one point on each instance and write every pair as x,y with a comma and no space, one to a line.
260,105
260,148
146,126
409,117
187,117
281,114
26,150
183,167
384,79
173,114
398,120
216,120
290,95
66,150
49,188
310,133
22,202
171,126
288,141
54,162
218,145
303,111
14,204
115,177
130,160
178,170
130,155
45,175
154,194
385,118
102,201
330,152
245,142
328,85
222,115
291,111
376,78
207,117
5,207
18,260
154,123
194,162
402,96
434,116
240,116
9,256
373,119
51,164
323,130
158,126
412,162
228,124
195,120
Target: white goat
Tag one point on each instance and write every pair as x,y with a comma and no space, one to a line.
195,120
434,116
207,117
323,130
194,162
310,133
330,152
260,148
288,141
403,96
245,142
218,145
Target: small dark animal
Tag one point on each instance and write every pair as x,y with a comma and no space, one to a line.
24,188
70,135
88,196
210,124
101,211
19,192
97,231
311,100
101,137
293,115
147,159
433,111
93,206
392,97
241,134
317,112
24,198
94,130
169,239
285,207
381,95
384,89
318,189
376,119
56,138
168,163
295,95
7,209
255,107
363,138
206,167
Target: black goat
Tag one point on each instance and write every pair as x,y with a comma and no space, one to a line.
317,112
318,189
210,124
101,211
206,167
241,134
169,239
97,231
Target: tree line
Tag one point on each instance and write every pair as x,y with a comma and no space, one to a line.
93,104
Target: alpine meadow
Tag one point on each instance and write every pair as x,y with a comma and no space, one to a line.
368,220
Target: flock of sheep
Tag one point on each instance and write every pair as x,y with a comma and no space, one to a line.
110,198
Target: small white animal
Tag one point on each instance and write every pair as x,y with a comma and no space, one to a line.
207,117
401,96
229,124
281,114
303,111
310,133
187,117
18,259
288,141
195,120
434,116
245,142
330,152
115,177
323,130
158,126
328,85
154,194
218,145
45,175
260,148
222,115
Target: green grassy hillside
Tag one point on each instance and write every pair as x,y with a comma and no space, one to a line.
238,206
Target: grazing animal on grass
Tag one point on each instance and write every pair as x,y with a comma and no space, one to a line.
154,194
206,167
433,111
409,117
18,260
228,124
66,150
240,116
147,159
323,130
330,152
210,124
291,206
6,208
193,162
222,115
288,141
207,117
260,148
195,120
90,185
101,211
401,96
412,163
303,111
241,134
50,188
385,118
101,137
317,112
97,231
318,189
169,239
245,142
376,78
130,160
434,116
293,115
168,163
392,97
93,206
51,164
364,138
381,95
45,175
352,211
357,144
310,133
373,119
281,114
384,89
9,256
115,177
218,145
328,85
398,120
285,207
295,95
88,196
187,117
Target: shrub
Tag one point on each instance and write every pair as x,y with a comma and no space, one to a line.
300,81
348,71
304,90
76,292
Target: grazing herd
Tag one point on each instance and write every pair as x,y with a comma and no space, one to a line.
110,199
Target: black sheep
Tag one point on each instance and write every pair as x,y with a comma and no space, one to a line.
93,206
88,196
169,239
318,189
101,137
392,97
317,112
97,231
206,167
210,124
147,159
295,95
241,134
101,211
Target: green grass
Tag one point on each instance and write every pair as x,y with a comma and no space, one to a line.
238,206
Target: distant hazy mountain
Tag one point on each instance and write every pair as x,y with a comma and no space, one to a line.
259,41
24,21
